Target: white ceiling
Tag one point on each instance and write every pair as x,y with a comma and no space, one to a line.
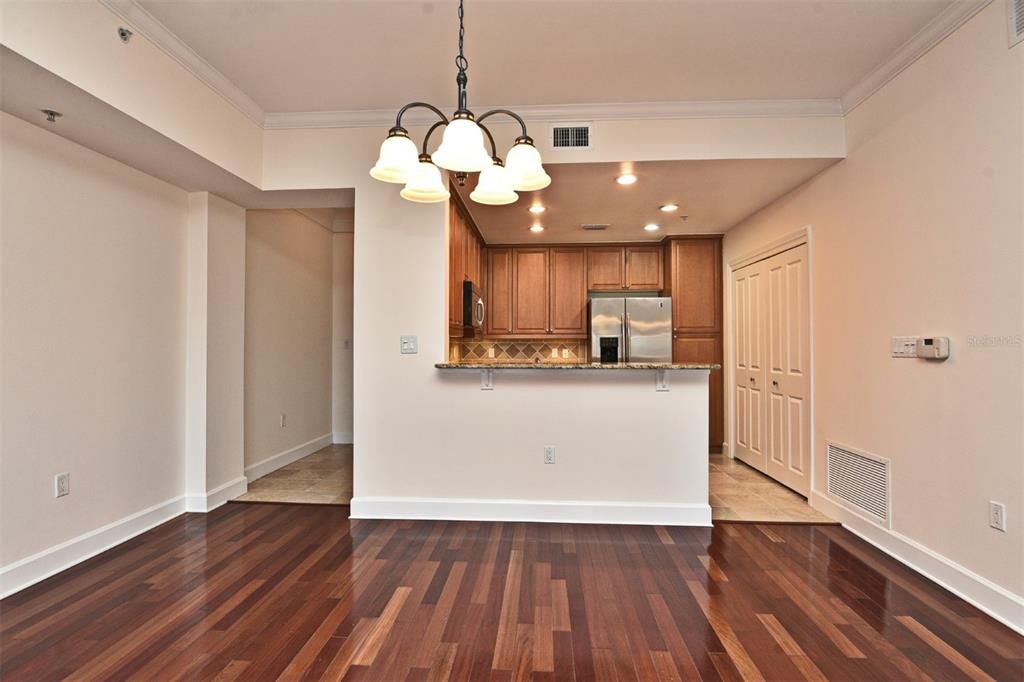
299,55
715,195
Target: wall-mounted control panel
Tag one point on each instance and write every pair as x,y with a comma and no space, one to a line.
926,347
409,345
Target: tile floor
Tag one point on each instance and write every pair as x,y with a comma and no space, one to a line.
325,477
741,493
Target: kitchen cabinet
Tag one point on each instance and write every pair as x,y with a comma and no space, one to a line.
696,284
620,268
530,289
693,278
606,268
498,318
568,298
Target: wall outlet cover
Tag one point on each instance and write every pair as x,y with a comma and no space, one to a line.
549,454
409,345
62,485
997,515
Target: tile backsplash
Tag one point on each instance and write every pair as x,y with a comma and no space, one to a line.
518,350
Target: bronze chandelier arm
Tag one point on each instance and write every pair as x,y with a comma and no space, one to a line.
513,114
423,105
426,138
494,148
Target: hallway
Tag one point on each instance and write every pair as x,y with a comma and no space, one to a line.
324,477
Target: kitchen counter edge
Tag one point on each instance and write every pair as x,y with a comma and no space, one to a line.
577,365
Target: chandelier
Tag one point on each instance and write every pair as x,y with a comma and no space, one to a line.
461,151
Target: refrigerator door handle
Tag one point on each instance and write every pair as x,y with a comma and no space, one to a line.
626,339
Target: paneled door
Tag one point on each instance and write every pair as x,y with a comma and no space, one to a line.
748,372
771,327
788,385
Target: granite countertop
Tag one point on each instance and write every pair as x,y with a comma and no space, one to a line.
574,365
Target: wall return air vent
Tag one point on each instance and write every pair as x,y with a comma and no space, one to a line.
570,136
859,481
1015,10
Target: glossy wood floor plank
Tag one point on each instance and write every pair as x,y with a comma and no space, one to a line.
253,592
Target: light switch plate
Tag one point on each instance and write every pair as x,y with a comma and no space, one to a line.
904,346
410,345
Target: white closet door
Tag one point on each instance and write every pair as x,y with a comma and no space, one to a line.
787,418
771,367
748,388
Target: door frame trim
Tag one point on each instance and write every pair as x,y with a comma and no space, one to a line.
772,248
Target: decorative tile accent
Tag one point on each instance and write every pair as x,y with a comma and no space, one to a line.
518,350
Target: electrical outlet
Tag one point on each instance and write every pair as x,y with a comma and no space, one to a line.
549,454
997,515
490,351
409,345
554,353
284,420
62,485
565,353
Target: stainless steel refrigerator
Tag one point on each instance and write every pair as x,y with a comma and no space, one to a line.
632,329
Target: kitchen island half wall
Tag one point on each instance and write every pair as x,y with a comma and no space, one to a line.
627,449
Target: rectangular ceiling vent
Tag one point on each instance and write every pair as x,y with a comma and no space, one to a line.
594,227
570,136
859,481
1015,9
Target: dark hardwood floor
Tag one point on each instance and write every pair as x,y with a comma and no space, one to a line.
297,592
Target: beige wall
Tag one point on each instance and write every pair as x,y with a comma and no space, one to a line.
93,340
342,338
288,294
919,232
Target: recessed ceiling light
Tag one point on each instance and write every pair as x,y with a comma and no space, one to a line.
668,208
537,228
626,179
537,208
652,227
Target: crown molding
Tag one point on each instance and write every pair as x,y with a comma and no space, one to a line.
933,33
149,26
746,108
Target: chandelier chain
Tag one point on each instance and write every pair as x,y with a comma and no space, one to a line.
461,60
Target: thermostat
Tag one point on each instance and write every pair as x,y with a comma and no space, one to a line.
933,347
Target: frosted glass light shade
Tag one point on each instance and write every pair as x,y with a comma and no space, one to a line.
397,160
425,185
462,148
525,169
494,187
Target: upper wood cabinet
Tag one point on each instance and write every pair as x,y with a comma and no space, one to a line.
644,268
530,291
617,268
695,267
498,315
568,282
606,267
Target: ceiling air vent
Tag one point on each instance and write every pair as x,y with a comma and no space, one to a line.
1015,8
570,136
595,227
859,481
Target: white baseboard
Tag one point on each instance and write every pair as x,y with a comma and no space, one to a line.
342,438
275,462
216,497
461,509
996,601
30,570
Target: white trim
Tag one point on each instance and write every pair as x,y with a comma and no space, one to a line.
996,601
549,511
217,497
281,459
737,108
174,47
777,246
933,33
342,438
31,570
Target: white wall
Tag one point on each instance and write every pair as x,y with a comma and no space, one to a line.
93,340
288,299
341,384
918,232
